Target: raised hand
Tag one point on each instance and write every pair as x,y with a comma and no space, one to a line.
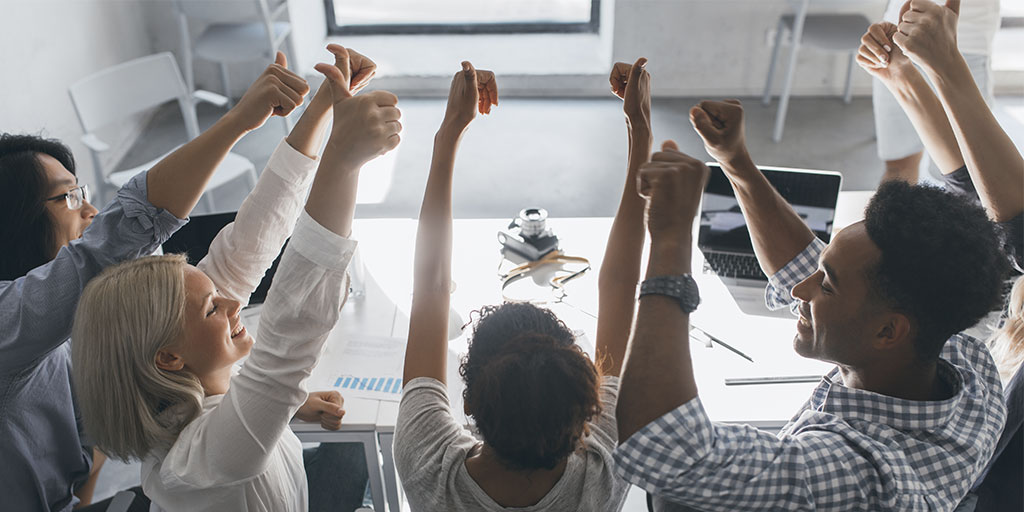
880,57
365,127
927,33
672,183
472,91
276,92
632,83
720,126
326,407
361,69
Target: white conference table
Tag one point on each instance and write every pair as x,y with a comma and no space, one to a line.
386,254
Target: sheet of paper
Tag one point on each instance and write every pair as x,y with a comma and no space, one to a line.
362,367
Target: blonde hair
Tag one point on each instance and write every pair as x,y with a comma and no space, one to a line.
125,316
1007,344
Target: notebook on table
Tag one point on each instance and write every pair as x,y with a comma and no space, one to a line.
724,238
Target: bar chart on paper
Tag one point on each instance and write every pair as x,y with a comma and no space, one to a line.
362,366
380,388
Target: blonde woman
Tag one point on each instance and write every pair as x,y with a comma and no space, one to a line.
156,339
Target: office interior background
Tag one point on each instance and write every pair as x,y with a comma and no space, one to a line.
557,139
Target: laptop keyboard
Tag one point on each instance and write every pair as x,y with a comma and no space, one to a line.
741,266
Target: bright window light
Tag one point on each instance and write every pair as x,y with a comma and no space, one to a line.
459,12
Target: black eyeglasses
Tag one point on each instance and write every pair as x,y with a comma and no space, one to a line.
75,197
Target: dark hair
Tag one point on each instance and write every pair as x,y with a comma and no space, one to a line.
529,387
25,225
941,260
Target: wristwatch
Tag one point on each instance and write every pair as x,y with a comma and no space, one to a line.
682,288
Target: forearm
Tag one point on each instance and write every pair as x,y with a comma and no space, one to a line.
242,252
177,181
924,109
620,268
777,232
332,200
659,354
308,133
427,350
995,165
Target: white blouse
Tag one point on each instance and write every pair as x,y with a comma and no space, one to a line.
239,454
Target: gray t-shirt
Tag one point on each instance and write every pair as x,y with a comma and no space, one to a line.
431,449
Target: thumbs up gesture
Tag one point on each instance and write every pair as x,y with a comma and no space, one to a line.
276,92
927,34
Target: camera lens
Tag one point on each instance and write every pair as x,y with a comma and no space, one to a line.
532,221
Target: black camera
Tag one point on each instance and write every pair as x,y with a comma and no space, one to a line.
528,235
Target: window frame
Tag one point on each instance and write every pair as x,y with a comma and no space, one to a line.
537,27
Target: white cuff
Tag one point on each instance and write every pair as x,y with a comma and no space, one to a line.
290,164
321,245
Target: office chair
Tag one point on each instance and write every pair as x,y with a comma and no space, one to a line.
832,32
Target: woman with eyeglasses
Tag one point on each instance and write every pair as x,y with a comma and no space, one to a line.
54,242
544,411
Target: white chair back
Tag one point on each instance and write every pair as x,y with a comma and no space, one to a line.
131,87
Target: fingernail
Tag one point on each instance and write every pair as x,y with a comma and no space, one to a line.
887,48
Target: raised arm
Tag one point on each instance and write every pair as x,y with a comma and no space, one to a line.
304,302
886,62
927,35
426,354
243,251
365,127
620,269
777,232
176,182
658,373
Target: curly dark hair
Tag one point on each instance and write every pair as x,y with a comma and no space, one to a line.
941,260
25,225
529,387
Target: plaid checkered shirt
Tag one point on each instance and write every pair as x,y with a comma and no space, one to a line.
845,449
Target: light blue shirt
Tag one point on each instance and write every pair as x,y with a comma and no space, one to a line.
40,425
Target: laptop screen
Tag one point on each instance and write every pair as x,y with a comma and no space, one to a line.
194,240
813,194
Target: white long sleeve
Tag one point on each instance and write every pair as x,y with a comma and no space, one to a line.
239,454
243,251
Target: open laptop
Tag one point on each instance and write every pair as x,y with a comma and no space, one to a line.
724,238
194,240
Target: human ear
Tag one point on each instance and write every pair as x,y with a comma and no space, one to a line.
166,360
894,331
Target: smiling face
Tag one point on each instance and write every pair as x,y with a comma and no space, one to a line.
840,316
213,336
68,224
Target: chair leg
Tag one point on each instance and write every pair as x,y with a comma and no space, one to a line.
780,115
227,85
848,92
767,96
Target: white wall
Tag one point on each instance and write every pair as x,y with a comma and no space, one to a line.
45,45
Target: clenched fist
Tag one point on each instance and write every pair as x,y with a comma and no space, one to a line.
325,407
632,83
276,92
880,57
672,183
927,33
720,126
